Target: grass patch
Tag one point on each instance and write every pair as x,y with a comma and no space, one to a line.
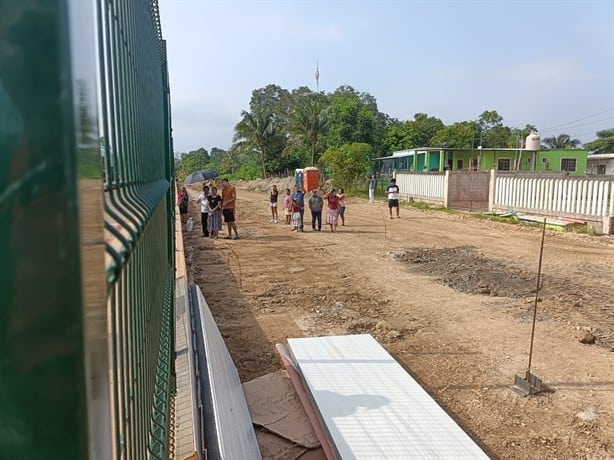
580,228
510,219
420,205
506,220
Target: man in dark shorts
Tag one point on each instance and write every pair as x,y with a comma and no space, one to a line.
229,198
393,197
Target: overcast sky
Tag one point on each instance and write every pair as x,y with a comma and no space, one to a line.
548,63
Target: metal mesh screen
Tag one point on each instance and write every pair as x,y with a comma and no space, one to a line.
138,206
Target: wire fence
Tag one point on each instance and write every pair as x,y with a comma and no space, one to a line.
86,231
138,208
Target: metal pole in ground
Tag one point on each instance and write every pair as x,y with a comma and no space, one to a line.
539,272
531,384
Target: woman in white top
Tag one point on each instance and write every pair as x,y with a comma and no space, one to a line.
204,208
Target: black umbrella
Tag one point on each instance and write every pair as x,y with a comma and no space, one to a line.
200,176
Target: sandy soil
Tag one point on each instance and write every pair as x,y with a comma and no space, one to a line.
450,297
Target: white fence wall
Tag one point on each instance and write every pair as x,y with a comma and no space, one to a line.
573,196
587,198
425,186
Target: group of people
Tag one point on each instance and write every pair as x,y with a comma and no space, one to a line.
214,207
294,208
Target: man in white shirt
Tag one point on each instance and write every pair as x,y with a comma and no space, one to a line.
203,199
393,197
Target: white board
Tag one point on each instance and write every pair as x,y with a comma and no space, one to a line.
371,407
235,434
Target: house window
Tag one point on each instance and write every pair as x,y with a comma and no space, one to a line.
600,169
504,164
568,164
474,164
459,165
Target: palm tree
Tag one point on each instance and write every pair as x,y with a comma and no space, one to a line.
309,120
255,130
562,141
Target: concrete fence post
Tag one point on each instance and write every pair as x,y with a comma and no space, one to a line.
446,189
492,190
608,220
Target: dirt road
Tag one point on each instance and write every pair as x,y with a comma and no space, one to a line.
449,296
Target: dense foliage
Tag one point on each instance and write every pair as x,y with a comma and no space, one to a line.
341,132
604,142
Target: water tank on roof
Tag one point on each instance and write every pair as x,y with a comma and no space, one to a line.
532,142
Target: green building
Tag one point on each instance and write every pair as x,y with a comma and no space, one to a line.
571,162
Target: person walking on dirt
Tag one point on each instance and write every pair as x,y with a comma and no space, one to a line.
371,182
341,197
214,223
288,206
299,196
393,197
203,199
315,204
332,211
273,204
229,198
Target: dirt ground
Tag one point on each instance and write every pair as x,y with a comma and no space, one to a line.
449,296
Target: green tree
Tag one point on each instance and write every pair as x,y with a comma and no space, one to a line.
192,161
255,130
348,162
489,119
562,141
491,131
215,159
424,128
460,135
518,136
418,132
308,122
497,136
352,118
604,142
398,136
274,100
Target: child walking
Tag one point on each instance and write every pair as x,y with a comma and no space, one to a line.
341,198
296,215
288,206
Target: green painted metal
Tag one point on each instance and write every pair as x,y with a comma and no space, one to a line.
139,208
68,389
42,376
